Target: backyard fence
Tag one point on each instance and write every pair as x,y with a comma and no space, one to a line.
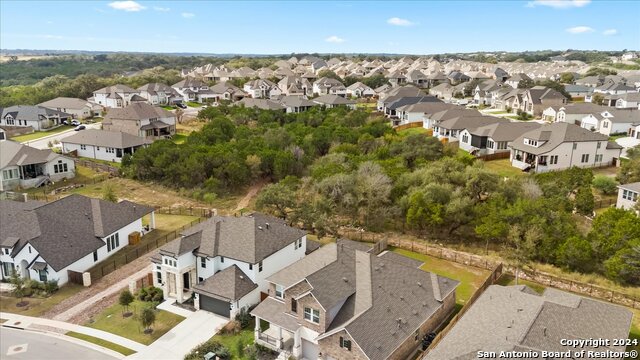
478,261
599,204
187,211
408,126
148,243
114,171
496,156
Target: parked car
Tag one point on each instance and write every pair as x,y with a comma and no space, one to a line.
65,122
75,122
80,127
181,105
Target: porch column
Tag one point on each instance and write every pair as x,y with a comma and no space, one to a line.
279,339
152,221
179,286
256,329
297,344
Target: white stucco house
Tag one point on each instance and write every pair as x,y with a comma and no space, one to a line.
78,108
560,146
262,89
116,96
628,196
45,241
102,144
38,117
224,261
26,167
611,121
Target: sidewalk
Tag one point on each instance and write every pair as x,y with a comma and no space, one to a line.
111,290
59,327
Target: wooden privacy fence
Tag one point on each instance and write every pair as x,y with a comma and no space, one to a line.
408,126
114,171
75,277
482,262
190,211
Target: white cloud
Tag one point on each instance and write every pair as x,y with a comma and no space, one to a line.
188,15
162,9
334,39
400,22
610,32
580,30
126,5
559,4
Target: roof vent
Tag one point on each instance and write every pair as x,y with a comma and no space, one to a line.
388,308
419,284
267,225
424,303
345,279
401,297
259,227
241,277
415,312
544,331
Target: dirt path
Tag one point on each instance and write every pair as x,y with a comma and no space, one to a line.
103,293
253,190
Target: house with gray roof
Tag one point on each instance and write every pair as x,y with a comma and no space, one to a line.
116,96
628,195
571,113
159,94
26,167
225,261
344,302
45,241
516,318
329,86
103,144
629,101
263,104
296,104
37,117
262,89
78,108
192,89
331,101
560,146
493,138
141,119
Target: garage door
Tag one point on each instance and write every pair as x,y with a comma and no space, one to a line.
309,350
214,305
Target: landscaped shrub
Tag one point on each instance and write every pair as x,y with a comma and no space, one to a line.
243,318
605,184
51,286
232,327
150,294
206,347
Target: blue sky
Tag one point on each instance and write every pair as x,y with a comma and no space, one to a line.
265,27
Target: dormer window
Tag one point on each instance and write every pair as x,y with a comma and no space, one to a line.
531,142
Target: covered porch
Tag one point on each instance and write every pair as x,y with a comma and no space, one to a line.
529,162
275,329
179,284
157,129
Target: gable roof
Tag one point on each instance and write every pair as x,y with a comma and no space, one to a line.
554,135
506,318
67,103
66,230
112,139
264,104
229,284
249,239
504,131
137,111
114,89
333,100
15,154
32,112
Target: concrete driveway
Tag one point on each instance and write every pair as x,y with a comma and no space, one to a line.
199,327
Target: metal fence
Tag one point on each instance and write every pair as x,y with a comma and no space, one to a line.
187,211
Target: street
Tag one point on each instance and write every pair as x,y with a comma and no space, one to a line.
43,143
26,345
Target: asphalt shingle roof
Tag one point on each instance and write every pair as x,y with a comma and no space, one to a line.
229,284
113,139
554,135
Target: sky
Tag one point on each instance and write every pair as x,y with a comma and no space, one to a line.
269,27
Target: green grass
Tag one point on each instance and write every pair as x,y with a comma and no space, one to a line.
371,105
193,104
413,131
168,107
470,278
39,134
111,320
100,342
508,280
503,168
179,138
38,306
105,162
245,336
84,175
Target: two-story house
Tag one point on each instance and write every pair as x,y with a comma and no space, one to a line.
560,146
538,98
159,94
343,302
38,117
628,196
359,90
44,241
329,86
262,89
192,89
295,86
27,167
571,113
225,261
141,119
116,96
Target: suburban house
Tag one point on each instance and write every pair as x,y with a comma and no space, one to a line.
629,101
159,94
434,116
391,107
571,113
26,167
141,119
493,138
77,108
263,104
611,121
451,128
262,89
102,144
359,90
38,117
518,319
634,131
192,89
226,260
226,91
415,112
396,93
47,241
331,101
296,104
329,86
538,98
116,96
578,91
443,91
343,302
516,78
294,85
628,196
560,146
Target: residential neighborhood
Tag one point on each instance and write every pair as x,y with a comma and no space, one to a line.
319,180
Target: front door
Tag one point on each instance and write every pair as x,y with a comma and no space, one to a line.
185,280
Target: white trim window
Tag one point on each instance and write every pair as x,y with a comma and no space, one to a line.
279,292
312,315
113,242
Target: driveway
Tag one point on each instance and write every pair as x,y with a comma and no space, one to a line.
199,327
43,143
26,345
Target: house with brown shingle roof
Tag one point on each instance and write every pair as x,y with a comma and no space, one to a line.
343,302
116,96
141,119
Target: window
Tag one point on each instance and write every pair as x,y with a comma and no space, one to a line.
83,147
298,244
575,146
29,249
605,124
7,251
10,174
629,195
279,292
250,266
111,150
159,275
42,274
260,266
8,268
599,144
345,344
312,315
170,262
60,167
200,279
465,138
221,259
553,159
113,242
598,157
585,158
502,145
95,256
489,144
294,305
203,262
98,148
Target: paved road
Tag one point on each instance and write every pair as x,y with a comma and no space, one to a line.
43,143
25,345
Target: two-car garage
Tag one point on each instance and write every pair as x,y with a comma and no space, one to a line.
216,306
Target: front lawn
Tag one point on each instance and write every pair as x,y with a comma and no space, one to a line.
503,168
100,342
193,104
166,107
111,320
40,134
244,337
470,278
38,306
